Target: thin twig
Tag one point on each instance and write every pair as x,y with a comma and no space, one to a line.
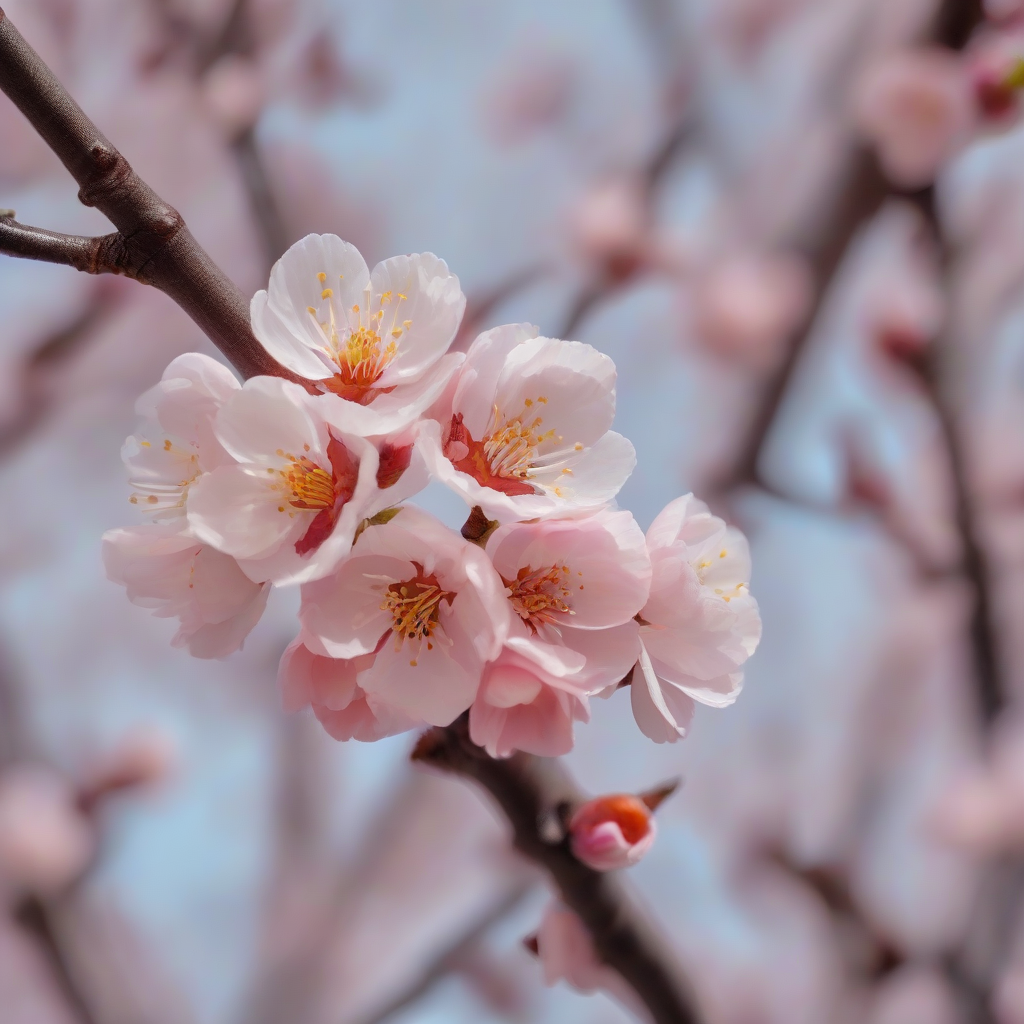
535,794
153,243
444,964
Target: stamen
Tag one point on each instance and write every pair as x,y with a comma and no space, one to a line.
415,606
311,487
540,596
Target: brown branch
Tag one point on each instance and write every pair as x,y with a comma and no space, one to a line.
154,246
536,794
153,243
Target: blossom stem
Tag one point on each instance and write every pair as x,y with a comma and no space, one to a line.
152,243
532,791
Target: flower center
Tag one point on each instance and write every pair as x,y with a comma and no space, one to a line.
358,342
311,486
539,596
415,606
508,458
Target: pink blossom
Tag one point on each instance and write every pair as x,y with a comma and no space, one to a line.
573,588
163,565
234,92
917,107
612,832
526,433
329,686
424,603
45,841
610,225
996,69
376,342
699,625
289,503
519,707
567,953
746,305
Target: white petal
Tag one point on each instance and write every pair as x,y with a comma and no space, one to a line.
433,307
650,709
270,415
478,380
238,512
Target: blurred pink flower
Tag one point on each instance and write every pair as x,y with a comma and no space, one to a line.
917,107
45,840
234,92
699,625
746,305
289,503
914,995
612,832
426,603
329,686
163,565
526,433
567,953
610,226
376,342
996,67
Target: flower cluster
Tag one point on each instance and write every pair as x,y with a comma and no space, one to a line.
554,599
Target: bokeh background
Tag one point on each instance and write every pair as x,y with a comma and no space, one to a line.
674,182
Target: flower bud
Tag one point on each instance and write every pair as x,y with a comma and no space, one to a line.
45,841
612,832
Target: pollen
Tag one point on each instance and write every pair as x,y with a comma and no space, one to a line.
327,293
321,277
540,596
722,553
311,487
415,607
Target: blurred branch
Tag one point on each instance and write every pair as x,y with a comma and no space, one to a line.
536,793
153,243
34,916
447,961
859,197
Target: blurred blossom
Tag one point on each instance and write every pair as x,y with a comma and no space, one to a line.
746,306
996,67
983,810
532,91
567,954
234,93
609,226
1003,10
917,107
914,995
612,832
908,313
45,840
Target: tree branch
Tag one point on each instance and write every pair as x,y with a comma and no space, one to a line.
152,244
536,794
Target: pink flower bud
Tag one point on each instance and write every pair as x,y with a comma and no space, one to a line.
45,841
612,832
917,107
997,75
234,93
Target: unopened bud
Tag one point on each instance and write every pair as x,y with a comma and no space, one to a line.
612,832
45,841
